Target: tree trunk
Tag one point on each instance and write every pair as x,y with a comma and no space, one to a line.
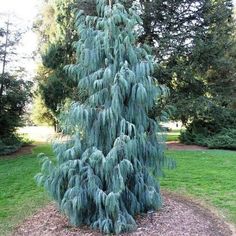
4,59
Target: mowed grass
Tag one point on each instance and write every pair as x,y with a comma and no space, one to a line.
173,135
207,175
19,195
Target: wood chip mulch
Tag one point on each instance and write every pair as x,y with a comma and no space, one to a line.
179,216
180,146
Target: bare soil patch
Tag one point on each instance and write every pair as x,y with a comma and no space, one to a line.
180,146
25,150
179,216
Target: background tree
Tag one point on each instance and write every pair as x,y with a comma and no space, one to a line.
207,61
213,63
55,27
189,37
14,92
194,44
106,171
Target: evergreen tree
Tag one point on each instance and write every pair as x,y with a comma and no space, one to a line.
56,32
204,81
14,91
107,166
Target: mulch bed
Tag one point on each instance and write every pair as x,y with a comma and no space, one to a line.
180,146
179,216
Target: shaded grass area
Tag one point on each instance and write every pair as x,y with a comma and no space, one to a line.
208,175
19,195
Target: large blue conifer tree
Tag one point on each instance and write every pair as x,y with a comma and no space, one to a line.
109,158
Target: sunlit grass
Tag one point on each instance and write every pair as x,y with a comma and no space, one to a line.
173,135
19,195
208,175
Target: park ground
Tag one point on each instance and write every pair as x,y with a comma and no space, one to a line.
207,176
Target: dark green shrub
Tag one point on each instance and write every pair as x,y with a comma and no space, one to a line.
209,128
189,138
9,144
12,143
226,139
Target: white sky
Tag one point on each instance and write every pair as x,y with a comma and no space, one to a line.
26,10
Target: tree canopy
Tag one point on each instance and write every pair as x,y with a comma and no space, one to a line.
56,32
14,91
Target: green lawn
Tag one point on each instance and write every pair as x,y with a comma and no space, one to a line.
173,135
207,175
19,195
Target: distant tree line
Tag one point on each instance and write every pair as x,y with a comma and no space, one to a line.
14,90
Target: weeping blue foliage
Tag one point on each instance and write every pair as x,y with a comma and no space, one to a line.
105,166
